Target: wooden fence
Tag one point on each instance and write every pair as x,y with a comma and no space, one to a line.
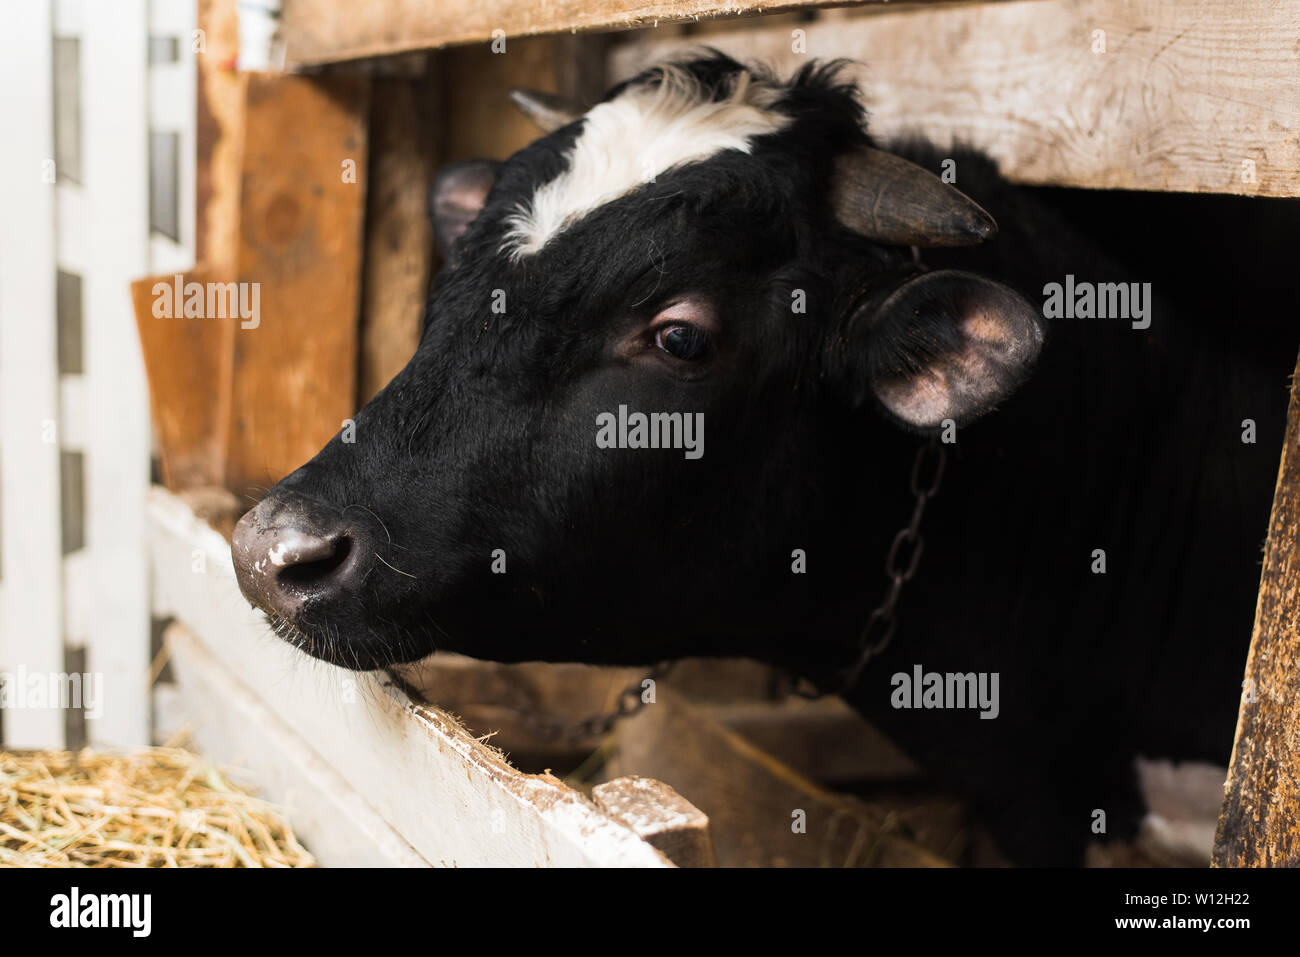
97,186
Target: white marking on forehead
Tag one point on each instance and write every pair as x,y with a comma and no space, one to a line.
630,140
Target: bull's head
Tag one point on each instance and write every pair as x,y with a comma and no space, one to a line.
718,252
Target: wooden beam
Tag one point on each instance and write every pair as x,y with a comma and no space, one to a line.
31,634
1188,95
1259,825
825,740
116,208
190,424
661,816
328,31
300,240
219,134
399,255
234,728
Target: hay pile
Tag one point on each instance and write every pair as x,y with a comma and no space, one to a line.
156,807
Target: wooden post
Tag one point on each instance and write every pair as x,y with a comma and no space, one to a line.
301,215
399,237
30,619
1260,821
189,363
114,86
219,137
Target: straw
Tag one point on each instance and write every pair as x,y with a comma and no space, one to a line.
156,807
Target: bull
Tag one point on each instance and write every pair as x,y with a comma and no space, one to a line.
716,245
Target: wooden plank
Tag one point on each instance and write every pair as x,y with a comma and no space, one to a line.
235,729
188,363
1189,95
453,800
301,217
30,619
476,84
327,31
116,206
761,813
219,134
661,817
825,740
1259,825
399,237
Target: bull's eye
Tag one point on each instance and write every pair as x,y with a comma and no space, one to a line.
684,341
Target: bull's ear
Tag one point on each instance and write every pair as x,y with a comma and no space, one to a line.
944,345
458,193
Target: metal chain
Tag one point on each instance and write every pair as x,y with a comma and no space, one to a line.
630,701
901,562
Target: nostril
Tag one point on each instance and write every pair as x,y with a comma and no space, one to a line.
314,569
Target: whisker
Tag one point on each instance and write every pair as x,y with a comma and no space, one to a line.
398,570
376,518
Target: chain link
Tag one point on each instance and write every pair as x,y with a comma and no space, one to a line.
630,700
901,562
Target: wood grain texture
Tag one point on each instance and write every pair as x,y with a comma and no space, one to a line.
661,817
751,799
1259,825
188,363
219,134
325,31
301,235
1187,94
399,238
478,119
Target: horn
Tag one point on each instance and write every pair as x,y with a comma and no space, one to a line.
549,111
890,200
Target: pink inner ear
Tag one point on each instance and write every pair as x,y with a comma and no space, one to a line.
921,400
986,327
965,384
456,208
458,195
959,343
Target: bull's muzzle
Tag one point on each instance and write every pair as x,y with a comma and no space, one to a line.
291,552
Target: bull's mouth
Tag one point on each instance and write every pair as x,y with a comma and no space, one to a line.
354,646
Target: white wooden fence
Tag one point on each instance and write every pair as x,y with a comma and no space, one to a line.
97,103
